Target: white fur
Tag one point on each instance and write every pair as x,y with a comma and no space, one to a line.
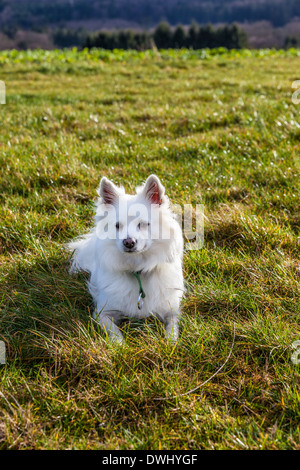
112,284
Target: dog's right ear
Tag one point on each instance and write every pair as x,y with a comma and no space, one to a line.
108,191
153,190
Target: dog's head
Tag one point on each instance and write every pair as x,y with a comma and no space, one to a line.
133,222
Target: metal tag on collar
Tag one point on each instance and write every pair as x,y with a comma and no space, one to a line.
140,301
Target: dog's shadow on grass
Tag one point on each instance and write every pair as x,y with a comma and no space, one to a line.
133,328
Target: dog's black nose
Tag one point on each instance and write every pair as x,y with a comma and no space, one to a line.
129,243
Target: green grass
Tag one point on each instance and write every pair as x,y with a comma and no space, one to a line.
219,128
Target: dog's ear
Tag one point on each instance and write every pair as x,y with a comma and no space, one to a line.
108,191
153,190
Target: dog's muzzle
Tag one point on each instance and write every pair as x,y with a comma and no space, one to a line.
129,244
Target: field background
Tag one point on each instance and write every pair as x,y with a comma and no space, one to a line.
218,128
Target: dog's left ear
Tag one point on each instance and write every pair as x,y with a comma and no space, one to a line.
108,191
153,190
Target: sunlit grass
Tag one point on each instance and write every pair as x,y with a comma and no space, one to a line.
219,129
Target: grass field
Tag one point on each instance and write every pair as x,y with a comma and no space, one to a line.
219,129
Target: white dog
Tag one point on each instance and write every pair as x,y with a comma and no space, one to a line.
134,257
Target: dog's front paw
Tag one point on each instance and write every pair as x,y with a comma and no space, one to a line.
117,338
108,324
171,326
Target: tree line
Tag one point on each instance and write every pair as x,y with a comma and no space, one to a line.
165,37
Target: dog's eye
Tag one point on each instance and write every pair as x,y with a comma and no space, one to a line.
117,225
143,225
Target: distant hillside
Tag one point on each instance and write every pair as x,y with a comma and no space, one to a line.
65,23
144,13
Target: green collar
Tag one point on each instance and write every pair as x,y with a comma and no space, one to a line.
142,294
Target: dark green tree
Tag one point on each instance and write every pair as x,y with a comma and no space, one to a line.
206,37
239,38
163,36
191,40
179,38
101,40
223,37
142,41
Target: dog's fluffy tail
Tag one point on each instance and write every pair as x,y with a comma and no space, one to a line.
82,253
